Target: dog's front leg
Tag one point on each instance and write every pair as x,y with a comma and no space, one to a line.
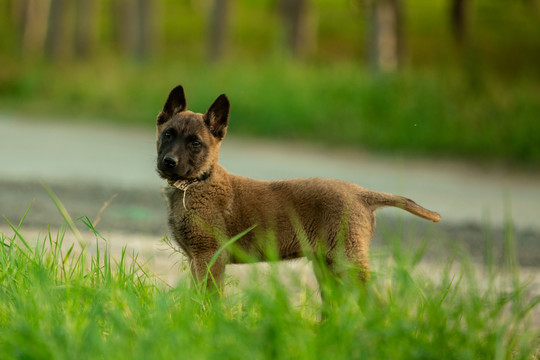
206,276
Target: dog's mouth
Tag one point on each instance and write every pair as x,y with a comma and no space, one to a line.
172,176
178,181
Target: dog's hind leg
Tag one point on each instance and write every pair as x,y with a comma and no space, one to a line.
356,244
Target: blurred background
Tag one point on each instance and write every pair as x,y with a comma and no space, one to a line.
451,78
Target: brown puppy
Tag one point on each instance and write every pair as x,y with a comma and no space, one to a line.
293,218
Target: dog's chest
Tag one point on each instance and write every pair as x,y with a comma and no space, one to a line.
193,215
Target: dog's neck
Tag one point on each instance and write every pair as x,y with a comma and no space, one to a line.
185,183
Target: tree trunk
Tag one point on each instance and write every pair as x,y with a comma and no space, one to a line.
33,24
146,24
386,43
218,30
295,20
125,26
459,20
85,27
58,42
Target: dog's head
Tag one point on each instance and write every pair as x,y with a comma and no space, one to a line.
188,143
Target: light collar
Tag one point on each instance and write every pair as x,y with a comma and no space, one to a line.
183,184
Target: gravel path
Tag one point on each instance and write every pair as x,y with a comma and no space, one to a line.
86,165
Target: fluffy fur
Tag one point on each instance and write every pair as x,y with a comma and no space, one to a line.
331,218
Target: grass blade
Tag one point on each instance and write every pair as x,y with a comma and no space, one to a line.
18,234
66,216
229,243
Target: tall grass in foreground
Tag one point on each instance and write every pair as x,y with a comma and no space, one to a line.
60,301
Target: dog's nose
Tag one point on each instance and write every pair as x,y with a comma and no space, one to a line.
169,162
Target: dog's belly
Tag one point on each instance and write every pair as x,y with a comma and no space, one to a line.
279,233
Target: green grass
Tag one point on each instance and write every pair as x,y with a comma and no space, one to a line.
465,113
64,301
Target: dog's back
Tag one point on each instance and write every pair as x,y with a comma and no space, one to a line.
300,214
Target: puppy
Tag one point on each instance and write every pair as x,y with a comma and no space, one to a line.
331,219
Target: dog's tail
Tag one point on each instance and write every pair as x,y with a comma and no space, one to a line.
376,200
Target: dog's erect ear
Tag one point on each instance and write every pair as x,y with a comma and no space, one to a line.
217,116
176,102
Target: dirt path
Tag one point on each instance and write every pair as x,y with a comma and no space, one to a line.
87,164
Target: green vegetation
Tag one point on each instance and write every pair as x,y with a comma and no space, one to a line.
60,302
480,100
435,113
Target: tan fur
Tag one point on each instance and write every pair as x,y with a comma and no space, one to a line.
331,218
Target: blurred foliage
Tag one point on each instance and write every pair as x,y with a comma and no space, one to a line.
478,100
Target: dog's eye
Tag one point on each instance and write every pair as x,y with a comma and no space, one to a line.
167,135
196,144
